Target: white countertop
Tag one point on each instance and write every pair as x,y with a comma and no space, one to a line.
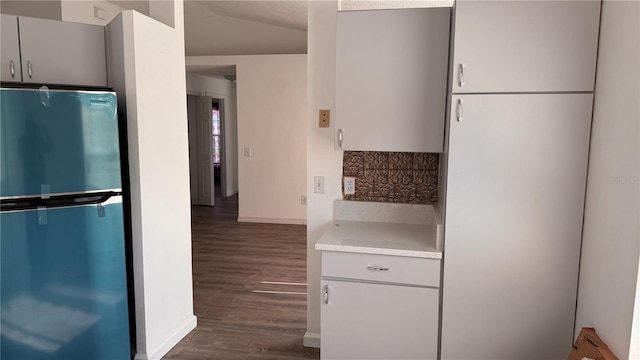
381,238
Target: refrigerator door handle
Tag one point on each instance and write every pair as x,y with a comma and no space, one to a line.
32,203
88,199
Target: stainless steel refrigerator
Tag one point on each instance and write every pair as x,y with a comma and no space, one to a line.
62,243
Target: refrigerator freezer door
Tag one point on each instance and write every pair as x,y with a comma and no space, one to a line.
58,141
63,284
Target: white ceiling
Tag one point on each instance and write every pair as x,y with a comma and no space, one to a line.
245,27
288,13
239,27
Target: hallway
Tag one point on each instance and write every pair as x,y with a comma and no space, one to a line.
249,288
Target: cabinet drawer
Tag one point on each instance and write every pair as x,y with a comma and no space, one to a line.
383,268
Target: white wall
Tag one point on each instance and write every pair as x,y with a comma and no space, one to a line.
78,11
322,159
216,87
146,68
84,11
634,352
611,245
271,114
44,9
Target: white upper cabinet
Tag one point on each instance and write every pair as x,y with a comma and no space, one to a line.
525,46
56,52
515,196
391,79
10,53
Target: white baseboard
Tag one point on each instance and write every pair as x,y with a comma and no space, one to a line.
172,341
272,220
311,340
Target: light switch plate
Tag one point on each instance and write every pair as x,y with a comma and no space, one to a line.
318,184
324,120
247,152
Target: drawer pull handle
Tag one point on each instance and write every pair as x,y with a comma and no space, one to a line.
377,268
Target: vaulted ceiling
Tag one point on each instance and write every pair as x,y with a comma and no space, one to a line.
290,14
240,27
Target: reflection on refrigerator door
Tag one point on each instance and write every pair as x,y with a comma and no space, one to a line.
63,272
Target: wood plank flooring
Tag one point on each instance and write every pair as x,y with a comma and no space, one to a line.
231,263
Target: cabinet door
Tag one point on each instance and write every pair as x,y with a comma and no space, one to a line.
525,46
56,52
10,49
375,321
515,197
391,79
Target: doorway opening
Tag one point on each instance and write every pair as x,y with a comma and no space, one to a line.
234,292
209,157
217,149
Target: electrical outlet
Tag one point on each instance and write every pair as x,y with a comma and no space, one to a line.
349,185
325,118
303,200
318,184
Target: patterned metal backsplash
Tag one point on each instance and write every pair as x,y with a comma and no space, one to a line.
396,177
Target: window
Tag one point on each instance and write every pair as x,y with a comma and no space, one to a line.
215,118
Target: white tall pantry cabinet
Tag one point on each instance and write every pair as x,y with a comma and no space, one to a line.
523,76
517,168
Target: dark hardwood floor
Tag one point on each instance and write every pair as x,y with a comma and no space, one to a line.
249,288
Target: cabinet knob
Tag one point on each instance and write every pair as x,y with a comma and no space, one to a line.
12,69
461,75
29,69
340,138
326,294
459,110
